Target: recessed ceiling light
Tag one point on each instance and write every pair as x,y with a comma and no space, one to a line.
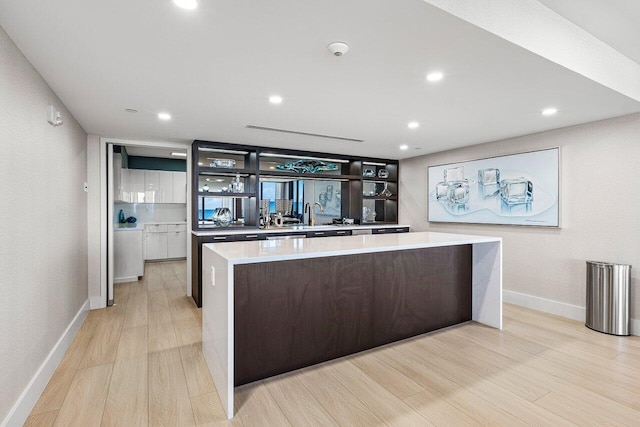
219,180
130,110
275,99
549,111
199,163
178,154
404,147
164,116
436,76
413,125
186,4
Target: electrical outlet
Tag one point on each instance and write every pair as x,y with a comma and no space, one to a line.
86,187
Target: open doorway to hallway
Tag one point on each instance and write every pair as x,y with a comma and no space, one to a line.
147,210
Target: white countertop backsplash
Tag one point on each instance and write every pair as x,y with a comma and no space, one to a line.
152,213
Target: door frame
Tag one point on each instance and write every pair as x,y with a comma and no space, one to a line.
106,208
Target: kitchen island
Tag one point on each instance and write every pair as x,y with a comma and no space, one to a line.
274,306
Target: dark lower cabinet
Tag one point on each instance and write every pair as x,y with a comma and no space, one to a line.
197,242
291,314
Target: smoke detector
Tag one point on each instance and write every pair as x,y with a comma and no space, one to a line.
338,48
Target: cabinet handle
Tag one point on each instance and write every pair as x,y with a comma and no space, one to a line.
251,236
318,233
220,238
382,230
341,232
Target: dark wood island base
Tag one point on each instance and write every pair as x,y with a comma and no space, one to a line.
292,314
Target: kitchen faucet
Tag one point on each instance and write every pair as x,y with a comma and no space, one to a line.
311,209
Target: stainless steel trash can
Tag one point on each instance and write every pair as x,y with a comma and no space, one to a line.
608,297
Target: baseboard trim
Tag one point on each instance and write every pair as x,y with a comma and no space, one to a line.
27,400
556,307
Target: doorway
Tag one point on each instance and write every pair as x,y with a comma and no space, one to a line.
133,206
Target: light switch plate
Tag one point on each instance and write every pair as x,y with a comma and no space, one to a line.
213,276
86,187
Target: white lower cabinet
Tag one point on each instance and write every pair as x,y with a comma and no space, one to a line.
127,250
177,241
165,241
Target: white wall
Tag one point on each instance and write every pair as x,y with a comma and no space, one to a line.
43,223
600,203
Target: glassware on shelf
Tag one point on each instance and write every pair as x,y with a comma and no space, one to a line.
383,173
222,217
385,191
365,213
237,186
205,188
369,172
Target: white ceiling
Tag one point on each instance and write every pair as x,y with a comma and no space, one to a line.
214,68
615,22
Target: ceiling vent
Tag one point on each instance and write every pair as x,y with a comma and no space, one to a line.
295,132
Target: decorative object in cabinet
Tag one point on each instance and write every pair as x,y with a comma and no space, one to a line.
307,166
223,163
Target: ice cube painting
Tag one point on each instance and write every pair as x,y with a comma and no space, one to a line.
517,189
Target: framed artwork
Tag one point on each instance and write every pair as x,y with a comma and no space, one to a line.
517,189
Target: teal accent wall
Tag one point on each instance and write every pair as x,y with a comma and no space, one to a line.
157,163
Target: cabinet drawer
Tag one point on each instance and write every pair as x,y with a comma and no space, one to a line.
176,227
155,228
252,236
390,230
218,239
327,233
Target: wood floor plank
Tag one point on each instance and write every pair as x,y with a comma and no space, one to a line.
587,408
128,399
104,342
84,403
256,407
45,419
169,402
344,406
133,343
401,386
137,312
208,411
162,336
378,400
297,403
197,375
438,411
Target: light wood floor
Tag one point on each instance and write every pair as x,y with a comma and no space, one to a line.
139,363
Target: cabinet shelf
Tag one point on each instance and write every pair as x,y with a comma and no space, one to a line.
380,180
205,170
394,197
231,195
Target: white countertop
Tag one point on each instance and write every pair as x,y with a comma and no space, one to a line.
137,228
292,229
280,250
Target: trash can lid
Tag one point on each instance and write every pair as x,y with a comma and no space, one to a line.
608,264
